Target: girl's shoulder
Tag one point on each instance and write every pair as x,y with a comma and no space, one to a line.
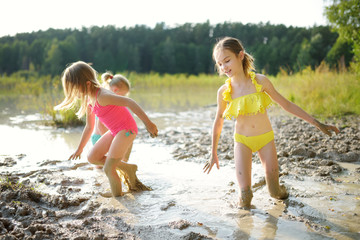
222,88
104,96
261,79
104,93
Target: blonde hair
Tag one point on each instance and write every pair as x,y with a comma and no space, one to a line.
235,46
74,80
115,80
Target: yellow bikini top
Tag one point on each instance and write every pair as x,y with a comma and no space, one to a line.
249,104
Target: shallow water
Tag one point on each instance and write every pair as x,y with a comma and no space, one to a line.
181,191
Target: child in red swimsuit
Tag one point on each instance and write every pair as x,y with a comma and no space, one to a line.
79,81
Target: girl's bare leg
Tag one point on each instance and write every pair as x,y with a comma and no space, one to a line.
127,155
97,154
117,152
242,156
268,157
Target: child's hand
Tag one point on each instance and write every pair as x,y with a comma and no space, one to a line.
152,129
327,128
75,155
209,164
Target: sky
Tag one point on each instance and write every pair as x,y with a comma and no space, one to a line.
18,16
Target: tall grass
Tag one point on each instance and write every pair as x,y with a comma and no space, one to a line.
322,92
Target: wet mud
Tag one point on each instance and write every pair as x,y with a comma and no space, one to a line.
49,203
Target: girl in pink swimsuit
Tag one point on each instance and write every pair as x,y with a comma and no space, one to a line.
79,81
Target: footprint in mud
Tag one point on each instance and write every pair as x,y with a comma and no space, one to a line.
50,162
29,173
106,194
168,205
76,166
236,205
109,194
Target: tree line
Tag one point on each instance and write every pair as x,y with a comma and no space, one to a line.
184,48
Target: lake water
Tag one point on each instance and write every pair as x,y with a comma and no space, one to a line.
180,189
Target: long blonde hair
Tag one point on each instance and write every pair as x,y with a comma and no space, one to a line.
74,80
235,46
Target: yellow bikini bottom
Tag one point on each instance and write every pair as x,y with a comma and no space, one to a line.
255,143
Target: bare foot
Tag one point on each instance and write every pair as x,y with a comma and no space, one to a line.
138,186
280,193
142,187
129,172
283,194
245,198
106,194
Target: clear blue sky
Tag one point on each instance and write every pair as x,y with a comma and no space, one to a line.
32,15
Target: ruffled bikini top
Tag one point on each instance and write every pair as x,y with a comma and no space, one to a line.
249,104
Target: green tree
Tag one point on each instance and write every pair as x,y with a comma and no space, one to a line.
54,59
340,54
37,53
345,19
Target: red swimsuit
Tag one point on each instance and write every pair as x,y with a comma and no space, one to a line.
115,118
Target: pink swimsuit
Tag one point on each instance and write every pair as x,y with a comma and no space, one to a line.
115,118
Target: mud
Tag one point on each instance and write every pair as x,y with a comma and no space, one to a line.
302,149
49,203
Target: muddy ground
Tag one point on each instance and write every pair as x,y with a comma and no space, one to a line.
303,151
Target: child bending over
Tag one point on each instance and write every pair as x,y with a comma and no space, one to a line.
80,82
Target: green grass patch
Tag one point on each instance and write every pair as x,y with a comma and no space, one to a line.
322,92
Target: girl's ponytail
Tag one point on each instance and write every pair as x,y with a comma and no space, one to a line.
106,77
248,63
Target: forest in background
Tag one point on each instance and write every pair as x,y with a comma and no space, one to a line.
186,48
308,65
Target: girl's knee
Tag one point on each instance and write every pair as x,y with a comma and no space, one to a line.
90,158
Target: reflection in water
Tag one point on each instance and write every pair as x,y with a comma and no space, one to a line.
175,99
245,223
271,223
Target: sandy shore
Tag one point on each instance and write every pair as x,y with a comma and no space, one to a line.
304,152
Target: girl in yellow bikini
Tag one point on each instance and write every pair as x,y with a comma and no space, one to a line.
245,96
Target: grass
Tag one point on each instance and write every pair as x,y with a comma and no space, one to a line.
322,92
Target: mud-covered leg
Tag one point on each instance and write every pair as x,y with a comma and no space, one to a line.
243,155
133,183
111,173
117,151
268,157
245,198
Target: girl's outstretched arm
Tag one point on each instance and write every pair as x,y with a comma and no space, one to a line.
108,98
86,134
216,131
292,107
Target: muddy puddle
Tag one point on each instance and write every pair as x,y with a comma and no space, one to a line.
60,199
